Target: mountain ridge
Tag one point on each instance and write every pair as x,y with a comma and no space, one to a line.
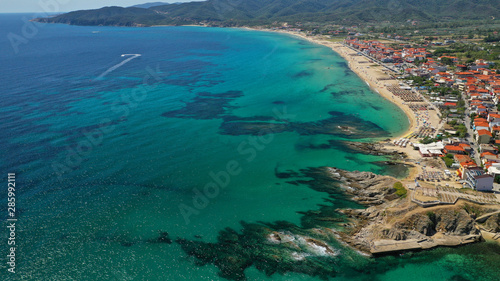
256,12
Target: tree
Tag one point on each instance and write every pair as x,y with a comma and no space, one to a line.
447,61
497,179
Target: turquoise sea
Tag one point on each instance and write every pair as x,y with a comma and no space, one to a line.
119,158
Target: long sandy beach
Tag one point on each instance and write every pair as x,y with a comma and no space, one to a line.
371,75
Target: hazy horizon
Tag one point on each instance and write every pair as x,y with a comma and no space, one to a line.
59,6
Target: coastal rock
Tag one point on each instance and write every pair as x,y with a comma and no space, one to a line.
391,223
375,149
492,224
367,188
455,221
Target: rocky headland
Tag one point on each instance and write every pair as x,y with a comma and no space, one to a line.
382,220
392,223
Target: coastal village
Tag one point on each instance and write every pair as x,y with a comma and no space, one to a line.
471,156
451,147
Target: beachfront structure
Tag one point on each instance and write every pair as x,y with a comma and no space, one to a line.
434,149
477,179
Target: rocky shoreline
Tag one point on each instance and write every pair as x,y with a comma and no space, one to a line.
365,213
392,224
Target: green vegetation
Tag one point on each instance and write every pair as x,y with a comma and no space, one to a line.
400,189
497,179
428,140
448,160
434,13
432,218
472,210
469,53
461,129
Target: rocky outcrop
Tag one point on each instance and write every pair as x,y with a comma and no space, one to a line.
375,149
391,223
492,224
367,188
426,224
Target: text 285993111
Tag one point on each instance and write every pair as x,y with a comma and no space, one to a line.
11,222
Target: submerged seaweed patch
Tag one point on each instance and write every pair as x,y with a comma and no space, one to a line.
357,93
279,173
271,248
327,87
339,124
282,247
206,106
304,73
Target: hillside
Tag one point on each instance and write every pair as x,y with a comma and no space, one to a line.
150,5
256,12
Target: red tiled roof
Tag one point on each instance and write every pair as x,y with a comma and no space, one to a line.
462,158
484,132
468,164
482,124
464,145
454,148
487,153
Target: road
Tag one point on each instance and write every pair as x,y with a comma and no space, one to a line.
470,136
372,59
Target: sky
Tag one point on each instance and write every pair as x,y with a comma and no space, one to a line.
41,6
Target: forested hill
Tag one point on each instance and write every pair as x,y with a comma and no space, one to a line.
257,12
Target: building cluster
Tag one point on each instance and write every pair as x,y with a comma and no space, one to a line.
480,86
387,54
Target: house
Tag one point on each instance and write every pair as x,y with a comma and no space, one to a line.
481,125
494,119
466,147
464,161
487,157
483,136
488,148
464,166
482,110
477,179
494,169
454,149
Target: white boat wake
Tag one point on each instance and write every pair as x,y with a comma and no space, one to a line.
132,56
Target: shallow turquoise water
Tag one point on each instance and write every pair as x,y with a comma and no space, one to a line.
92,197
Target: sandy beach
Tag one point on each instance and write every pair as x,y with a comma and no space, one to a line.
370,74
